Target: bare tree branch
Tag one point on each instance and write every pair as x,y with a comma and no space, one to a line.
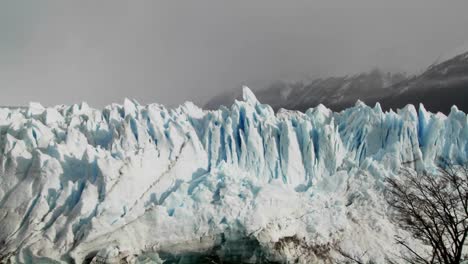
434,209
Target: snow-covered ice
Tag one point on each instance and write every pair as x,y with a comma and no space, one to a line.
133,181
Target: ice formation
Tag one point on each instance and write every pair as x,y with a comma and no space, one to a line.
246,184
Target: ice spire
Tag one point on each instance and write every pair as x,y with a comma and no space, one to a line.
248,96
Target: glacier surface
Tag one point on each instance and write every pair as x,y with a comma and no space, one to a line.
245,184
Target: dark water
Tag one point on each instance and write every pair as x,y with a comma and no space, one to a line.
227,252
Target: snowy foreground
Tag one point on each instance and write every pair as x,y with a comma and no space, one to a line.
144,183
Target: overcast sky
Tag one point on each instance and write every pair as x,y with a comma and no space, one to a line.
168,52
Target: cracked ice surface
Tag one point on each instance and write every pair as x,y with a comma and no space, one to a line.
132,179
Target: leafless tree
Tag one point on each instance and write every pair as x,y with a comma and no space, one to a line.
352,258
434,209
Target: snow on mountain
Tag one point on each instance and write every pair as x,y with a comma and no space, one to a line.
439,87
144,183
335,92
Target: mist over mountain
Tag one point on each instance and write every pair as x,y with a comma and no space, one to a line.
439,87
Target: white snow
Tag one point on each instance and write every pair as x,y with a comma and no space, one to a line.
131,180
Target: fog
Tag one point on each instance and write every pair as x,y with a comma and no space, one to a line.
63,52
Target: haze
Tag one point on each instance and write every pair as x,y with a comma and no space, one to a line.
63,52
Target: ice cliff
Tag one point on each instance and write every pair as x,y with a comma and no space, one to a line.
142,183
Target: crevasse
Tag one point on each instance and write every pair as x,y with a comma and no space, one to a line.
132,179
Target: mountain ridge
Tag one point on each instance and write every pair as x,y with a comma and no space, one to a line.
440,86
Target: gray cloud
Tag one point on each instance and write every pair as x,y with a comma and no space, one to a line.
168,51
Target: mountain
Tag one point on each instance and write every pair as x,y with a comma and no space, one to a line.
438,88
329,91
143,184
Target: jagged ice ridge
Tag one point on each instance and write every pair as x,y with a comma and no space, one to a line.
133,181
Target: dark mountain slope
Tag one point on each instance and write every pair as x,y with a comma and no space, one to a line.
438,88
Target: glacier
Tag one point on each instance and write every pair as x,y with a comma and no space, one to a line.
141,183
